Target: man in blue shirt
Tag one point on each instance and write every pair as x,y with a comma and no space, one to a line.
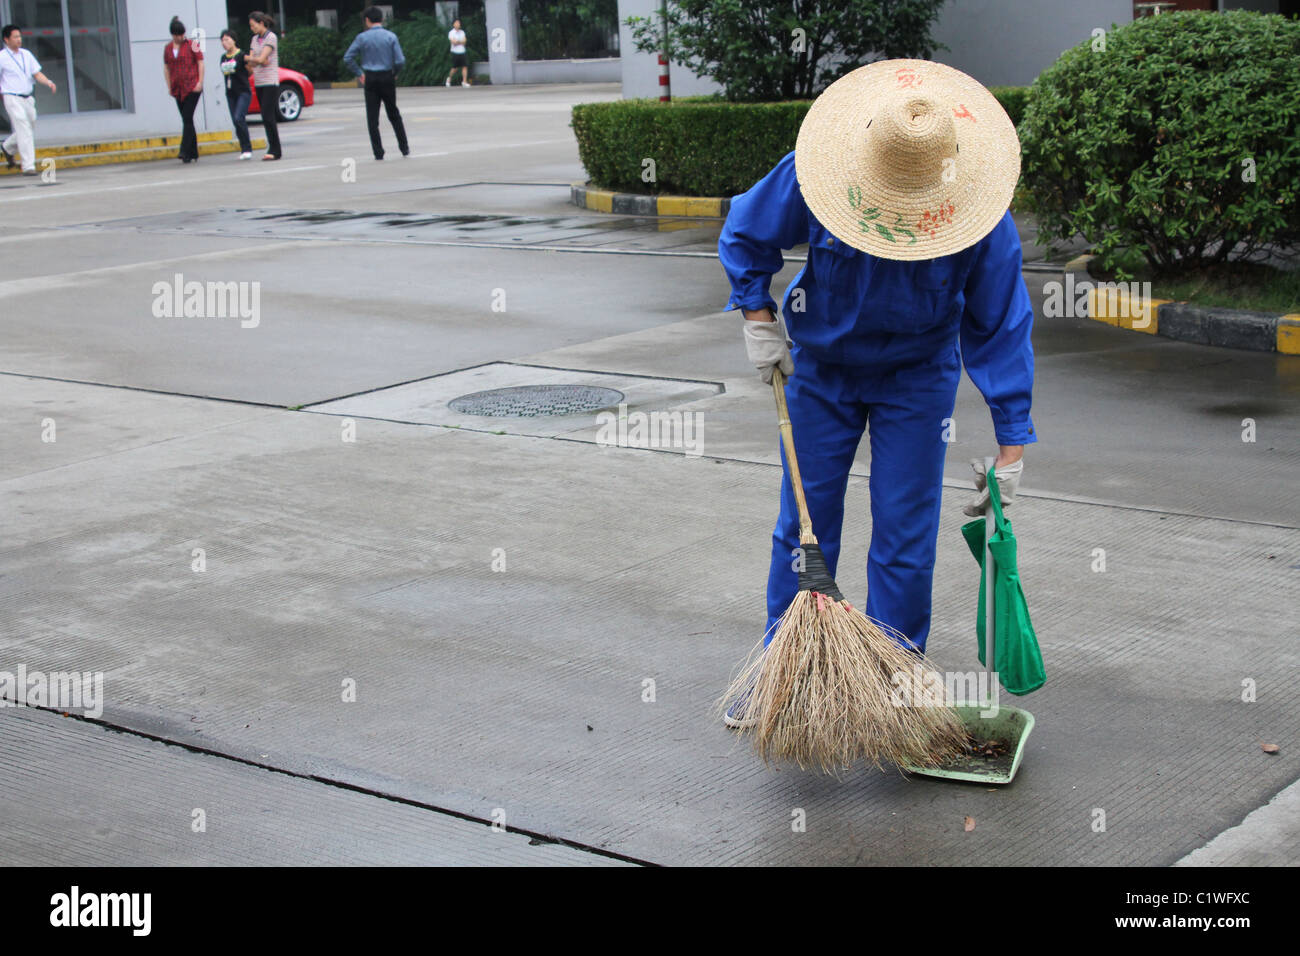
900,184
381,59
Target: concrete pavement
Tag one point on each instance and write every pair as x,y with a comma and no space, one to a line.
497,601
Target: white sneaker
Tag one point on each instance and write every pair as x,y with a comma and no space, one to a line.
245,155
466,85
448,83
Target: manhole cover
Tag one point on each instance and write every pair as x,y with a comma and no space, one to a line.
533,401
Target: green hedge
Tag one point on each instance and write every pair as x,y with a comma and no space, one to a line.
1180,139
701,146
1014,99
315,51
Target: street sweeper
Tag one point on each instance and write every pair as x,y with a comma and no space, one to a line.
900,184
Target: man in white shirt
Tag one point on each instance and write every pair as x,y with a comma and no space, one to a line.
458,59
17,70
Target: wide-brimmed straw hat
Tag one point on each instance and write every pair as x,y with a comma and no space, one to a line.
907,159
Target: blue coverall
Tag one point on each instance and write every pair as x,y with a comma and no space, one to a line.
880,343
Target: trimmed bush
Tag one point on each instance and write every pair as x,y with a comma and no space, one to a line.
700,146
315,51
1014,99
1181,139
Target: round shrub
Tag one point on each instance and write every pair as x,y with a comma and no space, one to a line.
1179,136
316,51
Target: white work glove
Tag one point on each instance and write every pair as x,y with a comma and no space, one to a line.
767,348
1008,481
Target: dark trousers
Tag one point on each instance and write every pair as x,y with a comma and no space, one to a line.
189,138
268,98
238,103
382,88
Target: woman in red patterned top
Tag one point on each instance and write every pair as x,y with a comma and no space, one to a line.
183,70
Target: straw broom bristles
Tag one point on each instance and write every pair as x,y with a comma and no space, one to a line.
833,686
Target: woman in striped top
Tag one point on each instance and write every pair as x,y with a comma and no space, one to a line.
263,56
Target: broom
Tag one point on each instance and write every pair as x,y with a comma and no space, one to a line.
835,686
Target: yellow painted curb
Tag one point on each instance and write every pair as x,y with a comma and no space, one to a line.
1079,263
636,204
119,145
600,200
1288,334
704,207
209,147
671,205
1111,303
700,206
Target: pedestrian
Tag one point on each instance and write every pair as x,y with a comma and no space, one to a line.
18,68
264,57
183,72
458,58
900,184
381,59
238,93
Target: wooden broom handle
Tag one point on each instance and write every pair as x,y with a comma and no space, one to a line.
806,535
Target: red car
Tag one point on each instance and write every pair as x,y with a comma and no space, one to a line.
296,94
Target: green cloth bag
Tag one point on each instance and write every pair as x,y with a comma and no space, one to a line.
1019,663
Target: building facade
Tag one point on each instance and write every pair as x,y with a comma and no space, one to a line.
999,42
105,56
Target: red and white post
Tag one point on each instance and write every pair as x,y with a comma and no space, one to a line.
665,88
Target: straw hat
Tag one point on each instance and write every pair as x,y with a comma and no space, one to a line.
907,159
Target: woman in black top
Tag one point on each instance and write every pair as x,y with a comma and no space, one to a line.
238,93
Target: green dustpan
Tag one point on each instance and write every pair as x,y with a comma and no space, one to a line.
1009,726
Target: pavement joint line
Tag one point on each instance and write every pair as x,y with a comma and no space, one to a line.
308,407
331,782
470,368
151,391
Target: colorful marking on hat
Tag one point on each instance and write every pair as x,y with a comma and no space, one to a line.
908,78
931,222
964,113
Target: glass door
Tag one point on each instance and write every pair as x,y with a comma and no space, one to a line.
79,46
96,64
42,24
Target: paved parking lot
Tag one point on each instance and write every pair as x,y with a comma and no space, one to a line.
322,607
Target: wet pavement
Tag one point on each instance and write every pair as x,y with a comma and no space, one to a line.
500,593
607,234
